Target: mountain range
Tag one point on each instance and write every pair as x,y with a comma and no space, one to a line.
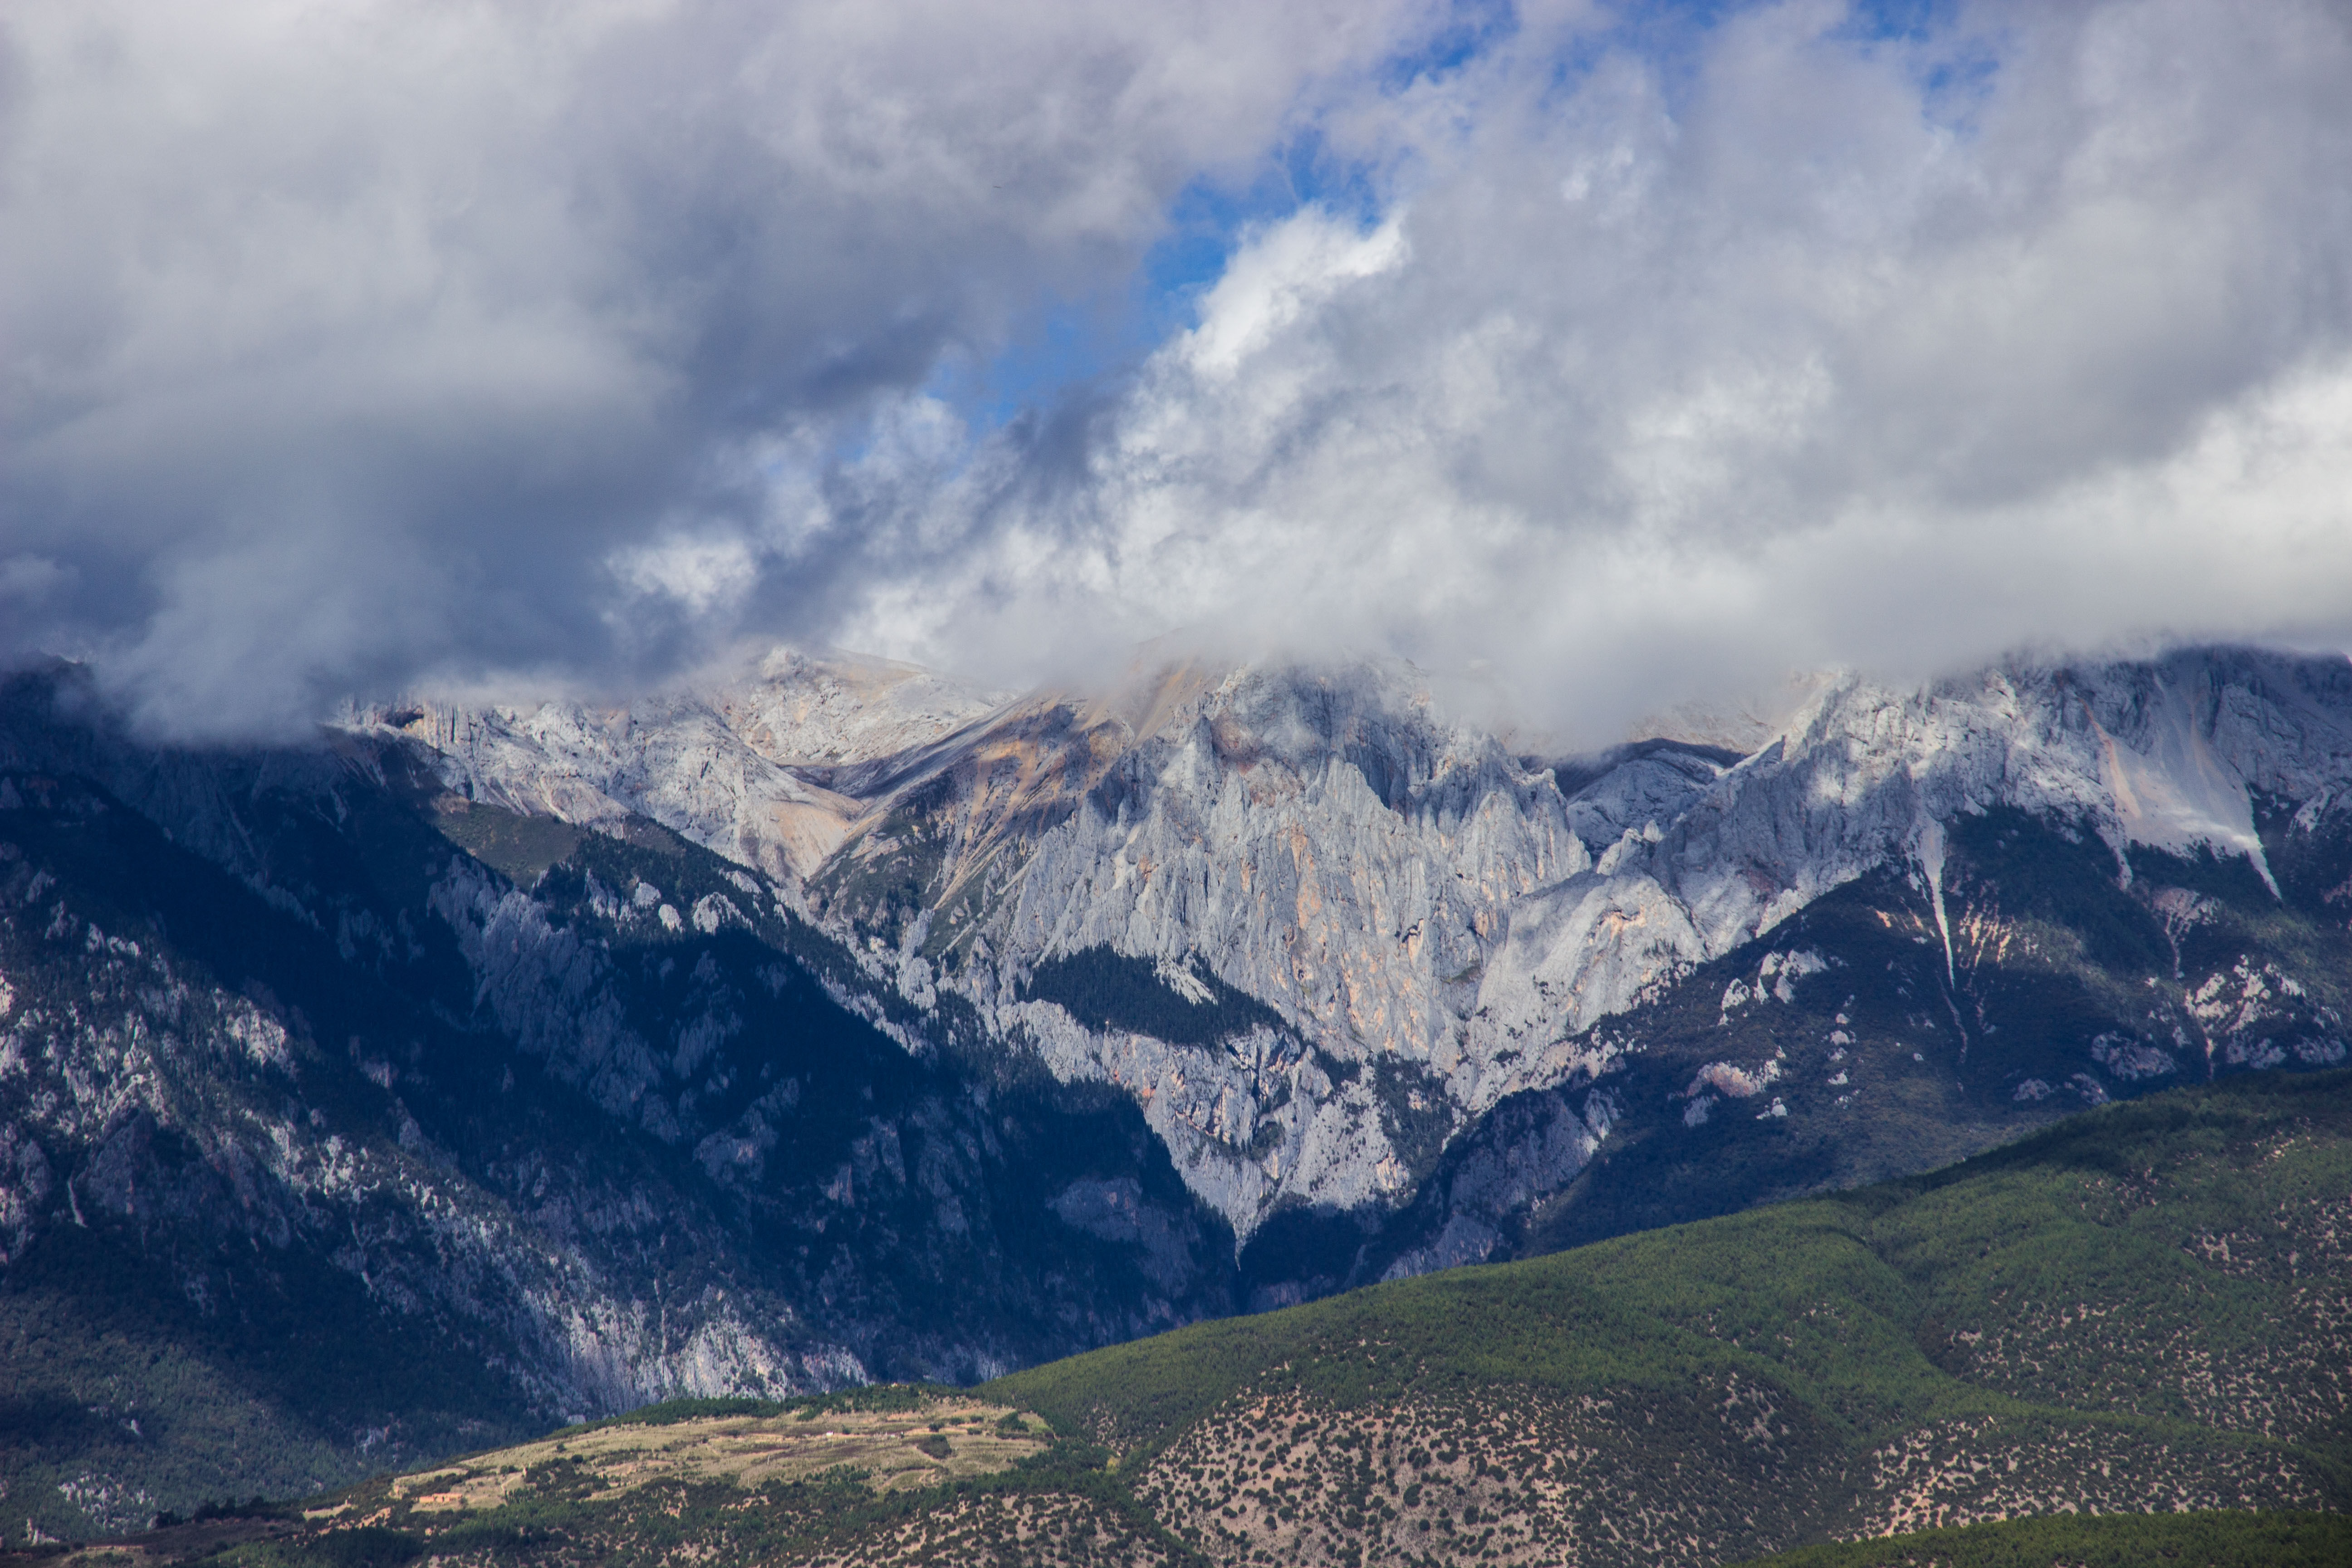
475,1068
2119,1341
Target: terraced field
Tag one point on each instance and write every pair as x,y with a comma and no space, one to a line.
913,1447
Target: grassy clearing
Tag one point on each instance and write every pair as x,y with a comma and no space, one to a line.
918,1446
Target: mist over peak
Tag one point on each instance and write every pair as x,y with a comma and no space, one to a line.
1618,356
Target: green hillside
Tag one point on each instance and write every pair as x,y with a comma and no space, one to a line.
2142,1309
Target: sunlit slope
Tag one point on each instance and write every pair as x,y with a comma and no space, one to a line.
2145,1308
894,1471
2142,1311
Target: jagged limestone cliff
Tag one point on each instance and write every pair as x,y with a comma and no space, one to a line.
836,1021
1433,923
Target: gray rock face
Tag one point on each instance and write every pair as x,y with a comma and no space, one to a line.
105,1044
1530,1149
2167,755
111,1050
1433,924
1327,986
385,1153
740,769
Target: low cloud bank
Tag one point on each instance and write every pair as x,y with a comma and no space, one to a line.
1644,359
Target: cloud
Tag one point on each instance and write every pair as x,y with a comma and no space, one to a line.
1673,369
1636,353
350,343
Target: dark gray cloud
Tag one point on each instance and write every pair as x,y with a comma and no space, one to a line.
357,345
351,343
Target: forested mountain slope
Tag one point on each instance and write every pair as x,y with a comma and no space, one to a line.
466,1071
2145,1309
1360,963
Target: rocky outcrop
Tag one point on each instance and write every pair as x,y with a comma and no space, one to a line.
1425,914
333,1146
832,1021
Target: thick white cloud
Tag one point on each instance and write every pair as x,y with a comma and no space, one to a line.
354,343
349,340
1683,368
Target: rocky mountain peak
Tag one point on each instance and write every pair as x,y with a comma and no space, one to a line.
1403,896
828,990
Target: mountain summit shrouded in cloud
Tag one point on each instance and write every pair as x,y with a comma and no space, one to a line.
1630,349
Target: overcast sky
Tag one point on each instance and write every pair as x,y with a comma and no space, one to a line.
1638,352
